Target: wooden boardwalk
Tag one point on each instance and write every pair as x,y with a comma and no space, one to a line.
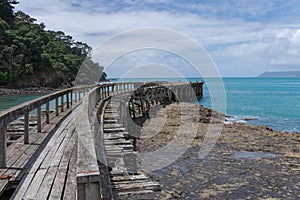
83,152
21,157
126,181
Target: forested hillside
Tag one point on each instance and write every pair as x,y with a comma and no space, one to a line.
33,56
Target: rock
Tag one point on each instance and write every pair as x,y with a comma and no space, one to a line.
250,118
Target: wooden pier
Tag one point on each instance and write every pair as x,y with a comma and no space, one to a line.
75,144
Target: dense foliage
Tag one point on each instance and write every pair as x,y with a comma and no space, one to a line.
33,56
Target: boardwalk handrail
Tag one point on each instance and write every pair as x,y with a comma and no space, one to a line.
88,174
66,96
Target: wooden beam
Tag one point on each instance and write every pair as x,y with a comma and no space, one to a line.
56,106
62,103
39,119
71,97
47,113
68,101
26,127
3,147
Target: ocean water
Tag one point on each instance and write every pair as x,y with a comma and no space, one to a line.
273,102
7,102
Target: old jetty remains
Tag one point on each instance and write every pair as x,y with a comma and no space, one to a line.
77,143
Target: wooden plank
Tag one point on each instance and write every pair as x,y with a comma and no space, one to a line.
132,193
129,178
113,130
35,184
20,159
60,151
50,148
110,121
46,183
56,174
60,180
68,152
3,184
22,190
54,148
59,184
137,186
70,187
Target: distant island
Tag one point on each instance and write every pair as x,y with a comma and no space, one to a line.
281,74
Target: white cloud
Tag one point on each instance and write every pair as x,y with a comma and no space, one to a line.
222,27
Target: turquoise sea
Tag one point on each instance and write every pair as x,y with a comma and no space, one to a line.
7,102
274,102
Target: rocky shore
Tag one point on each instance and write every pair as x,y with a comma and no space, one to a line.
247,162
25,91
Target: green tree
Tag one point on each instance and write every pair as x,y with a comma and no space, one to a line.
6,10
29,52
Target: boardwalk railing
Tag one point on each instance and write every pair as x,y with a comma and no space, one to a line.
88,175
67,96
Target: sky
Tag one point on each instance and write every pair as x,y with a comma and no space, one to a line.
242,37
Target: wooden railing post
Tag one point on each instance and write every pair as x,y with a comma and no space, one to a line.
71,94
68,101
101,92
62,103
75,95
47,112
112,89
105,91
26,127
3,147
56,106
39,119
98,94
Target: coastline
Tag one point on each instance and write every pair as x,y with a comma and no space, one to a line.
26,91
246,162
